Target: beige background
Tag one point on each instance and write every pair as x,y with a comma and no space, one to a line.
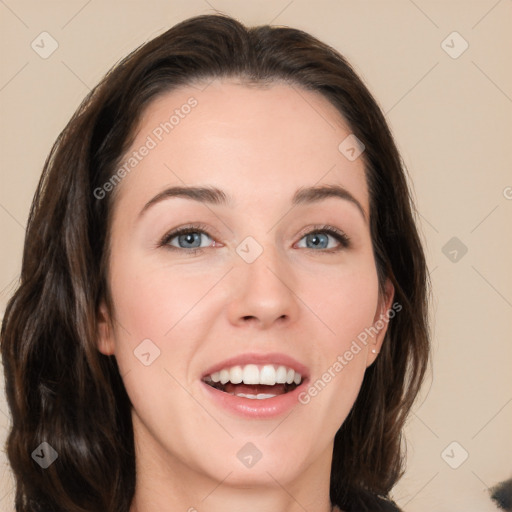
452,121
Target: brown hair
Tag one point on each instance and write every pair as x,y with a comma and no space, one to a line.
62,390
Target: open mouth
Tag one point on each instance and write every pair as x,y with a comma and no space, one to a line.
255,382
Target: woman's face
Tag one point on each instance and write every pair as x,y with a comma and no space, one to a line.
257,284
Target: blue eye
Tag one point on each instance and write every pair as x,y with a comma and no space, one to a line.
320,238
188,239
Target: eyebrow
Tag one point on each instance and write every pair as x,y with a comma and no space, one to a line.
216,196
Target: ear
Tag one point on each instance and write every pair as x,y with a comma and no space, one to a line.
105,334
381,322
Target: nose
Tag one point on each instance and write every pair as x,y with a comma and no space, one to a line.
263,292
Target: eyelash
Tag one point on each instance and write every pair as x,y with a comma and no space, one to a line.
337,234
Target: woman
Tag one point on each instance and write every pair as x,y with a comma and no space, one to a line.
223,298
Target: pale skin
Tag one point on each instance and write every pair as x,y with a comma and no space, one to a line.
258,146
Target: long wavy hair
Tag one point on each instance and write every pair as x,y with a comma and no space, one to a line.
62,390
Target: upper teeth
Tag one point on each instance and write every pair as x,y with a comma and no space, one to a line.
252,374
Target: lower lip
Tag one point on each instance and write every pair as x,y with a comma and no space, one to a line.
253,407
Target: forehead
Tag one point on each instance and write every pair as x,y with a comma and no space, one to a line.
250,141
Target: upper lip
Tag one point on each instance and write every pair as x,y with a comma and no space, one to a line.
259,359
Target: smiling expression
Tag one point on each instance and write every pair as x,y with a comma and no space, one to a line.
243,233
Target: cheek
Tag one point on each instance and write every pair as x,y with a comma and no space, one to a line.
164,311
345,302
158,330
152,301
